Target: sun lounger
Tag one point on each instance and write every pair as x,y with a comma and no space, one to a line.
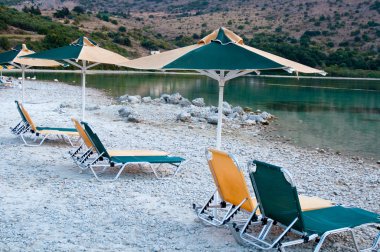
27,126
234,195
120,159
279,202
84,154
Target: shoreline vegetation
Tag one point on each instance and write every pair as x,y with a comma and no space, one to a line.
185,73
51,206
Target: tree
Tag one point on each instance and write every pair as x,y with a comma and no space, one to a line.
78,9
62,13
4,43
122,29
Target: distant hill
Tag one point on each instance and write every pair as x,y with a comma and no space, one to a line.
335,34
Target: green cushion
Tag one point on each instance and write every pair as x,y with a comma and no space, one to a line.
58,129
331,218
279,201
278,198
149,159
95,140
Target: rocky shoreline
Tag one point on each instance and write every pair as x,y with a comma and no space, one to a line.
196,111
46,204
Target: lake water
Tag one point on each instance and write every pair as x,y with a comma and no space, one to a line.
343,115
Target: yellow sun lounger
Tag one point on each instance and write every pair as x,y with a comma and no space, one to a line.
232,193
28,126
96,152
82,155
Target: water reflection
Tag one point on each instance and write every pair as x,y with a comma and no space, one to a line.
340,114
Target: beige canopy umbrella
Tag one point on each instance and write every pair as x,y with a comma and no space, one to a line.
222,55
12,57
83,49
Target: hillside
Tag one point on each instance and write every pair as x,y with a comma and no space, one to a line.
332,33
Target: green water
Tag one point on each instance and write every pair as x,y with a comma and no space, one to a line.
343,115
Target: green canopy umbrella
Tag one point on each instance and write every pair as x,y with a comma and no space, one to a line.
12,57
222,56
83,49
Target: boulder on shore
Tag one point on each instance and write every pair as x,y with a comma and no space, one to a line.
199,102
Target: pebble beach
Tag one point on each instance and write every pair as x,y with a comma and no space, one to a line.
48,204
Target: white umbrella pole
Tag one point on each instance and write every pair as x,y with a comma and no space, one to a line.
83,89
22,82
220,114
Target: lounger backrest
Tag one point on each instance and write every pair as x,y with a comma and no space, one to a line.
20,112
276,193
82,134
95,140
28,118
229,179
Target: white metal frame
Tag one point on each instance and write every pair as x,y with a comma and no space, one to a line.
106,164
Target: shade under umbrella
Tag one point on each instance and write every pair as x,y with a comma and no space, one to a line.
12,57
83,49
222,56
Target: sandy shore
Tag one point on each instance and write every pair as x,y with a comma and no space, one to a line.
46,204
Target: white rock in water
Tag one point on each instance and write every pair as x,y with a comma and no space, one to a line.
265,115
199,102
134,99
146,99
125,111
184,117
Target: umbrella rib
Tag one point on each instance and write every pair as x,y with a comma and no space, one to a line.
211,74
73,63
95,64
235,74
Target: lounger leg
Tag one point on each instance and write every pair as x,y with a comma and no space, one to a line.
376,242
354,240
324,236
262,244
106,167
213,219
177,169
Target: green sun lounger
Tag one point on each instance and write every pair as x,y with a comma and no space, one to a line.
27,126
279,204
106,159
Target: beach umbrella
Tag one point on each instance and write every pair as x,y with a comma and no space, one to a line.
12,57
222,55
85,50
